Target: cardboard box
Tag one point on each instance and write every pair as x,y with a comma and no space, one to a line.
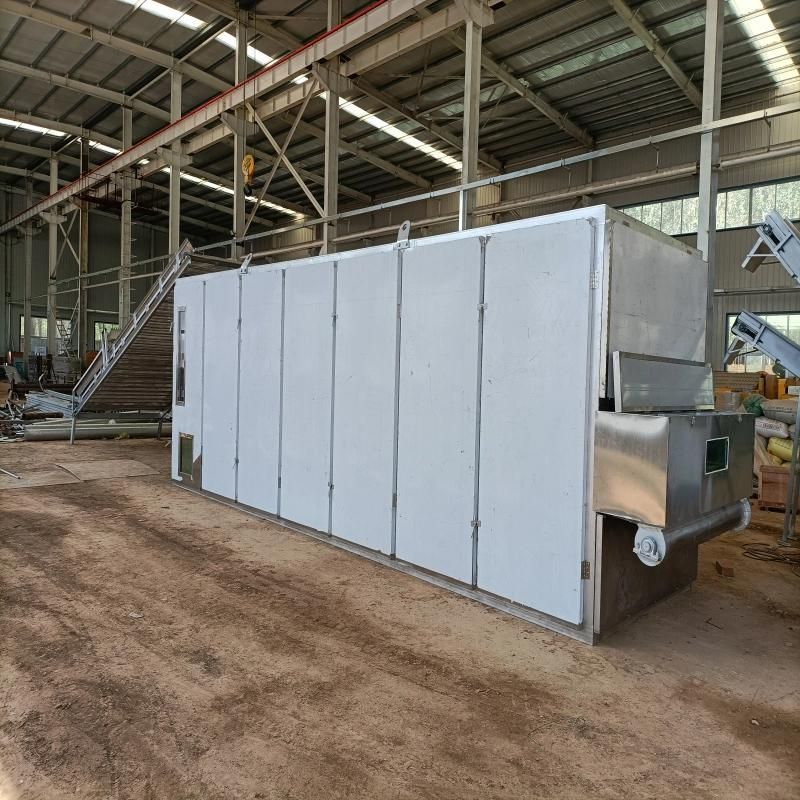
771,387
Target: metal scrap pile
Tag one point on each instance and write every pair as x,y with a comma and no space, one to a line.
11,428
16,414
49,403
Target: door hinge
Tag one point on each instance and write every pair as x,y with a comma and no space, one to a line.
586,570
594,280
394,500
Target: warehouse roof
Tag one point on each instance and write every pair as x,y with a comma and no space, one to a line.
560,75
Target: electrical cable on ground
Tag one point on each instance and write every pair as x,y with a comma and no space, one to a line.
767,552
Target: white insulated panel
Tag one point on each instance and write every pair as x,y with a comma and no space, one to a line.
186,418
259,389
221,342
438,385
307,354
534,429
363,440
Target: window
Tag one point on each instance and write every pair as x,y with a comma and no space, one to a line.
717,455
39,335
736,208
100,328
787,324
180,360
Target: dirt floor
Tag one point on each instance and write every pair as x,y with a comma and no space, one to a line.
155,644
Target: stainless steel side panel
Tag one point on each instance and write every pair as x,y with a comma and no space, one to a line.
631,454
652,468
691,492
650,383
657,294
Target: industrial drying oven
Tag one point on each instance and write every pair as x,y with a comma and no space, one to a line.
444,406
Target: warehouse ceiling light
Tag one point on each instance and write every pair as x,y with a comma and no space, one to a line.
26,126
395,132
254,54
753,17
198,181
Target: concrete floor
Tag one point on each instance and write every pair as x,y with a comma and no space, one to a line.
155,644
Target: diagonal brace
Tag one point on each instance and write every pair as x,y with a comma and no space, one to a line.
281,154
282,157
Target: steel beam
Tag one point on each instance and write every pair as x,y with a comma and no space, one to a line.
114,41
309,129
394,104
256,23
659,52
125,226
89,89
52,264
363,26
431,27
536,99
63,127
175,110
709,155
40,152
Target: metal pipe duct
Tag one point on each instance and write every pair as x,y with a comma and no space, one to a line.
89,429
652,545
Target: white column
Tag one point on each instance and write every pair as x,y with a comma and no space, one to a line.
26,301
709,157
52,264
330,202
472,108
175,113
125,223
239,140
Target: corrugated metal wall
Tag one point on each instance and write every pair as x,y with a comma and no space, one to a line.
104,252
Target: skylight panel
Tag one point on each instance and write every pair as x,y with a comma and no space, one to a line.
766,39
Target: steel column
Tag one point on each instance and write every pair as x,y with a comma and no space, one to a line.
331,187
239,140
709,154
125,226
83,263
52,264
175,112
26,307
472,110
